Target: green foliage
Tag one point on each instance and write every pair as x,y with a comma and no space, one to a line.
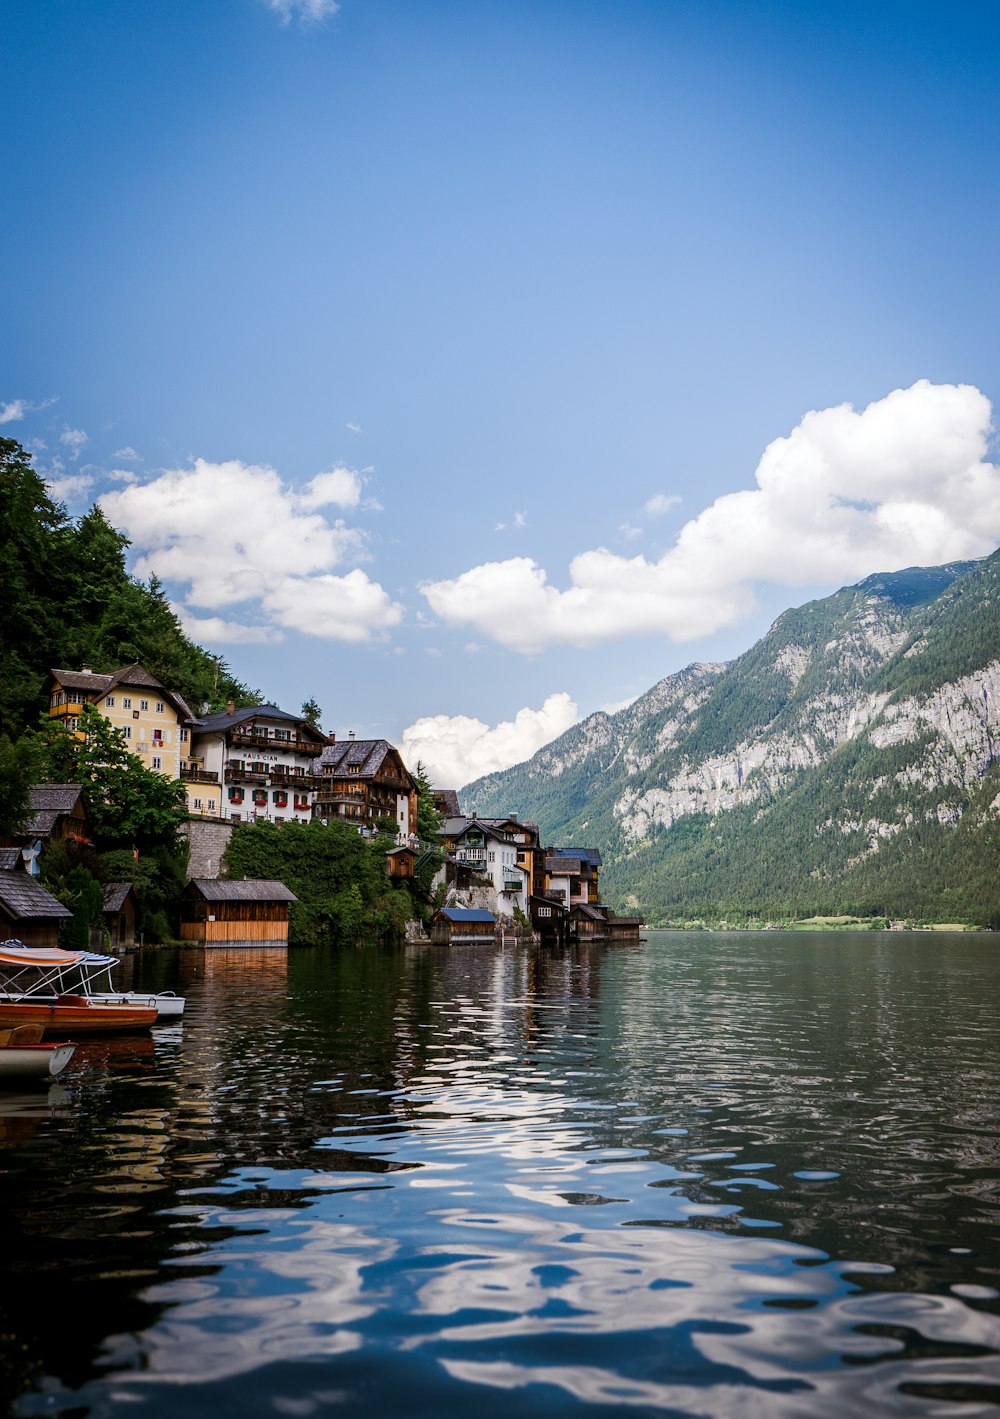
127,804
19,769
68,600
344,895
312,713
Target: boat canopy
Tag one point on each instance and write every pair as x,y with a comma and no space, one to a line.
35,970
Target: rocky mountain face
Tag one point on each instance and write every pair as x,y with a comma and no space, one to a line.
845,763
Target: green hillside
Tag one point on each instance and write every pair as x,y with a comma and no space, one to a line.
843,765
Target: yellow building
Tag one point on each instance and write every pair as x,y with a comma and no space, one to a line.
155,721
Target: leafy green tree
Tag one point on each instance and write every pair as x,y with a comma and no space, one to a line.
19,763
312,713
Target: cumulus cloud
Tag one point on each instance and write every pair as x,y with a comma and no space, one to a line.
128,454
75,440
456,748
307,12
903,482
215,628
660,503
339,487
235,533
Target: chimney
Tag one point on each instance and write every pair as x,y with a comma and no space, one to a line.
331,736
512,817
230,707
350,734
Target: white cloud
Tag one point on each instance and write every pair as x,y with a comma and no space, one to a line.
340,487
629,532
67,487
307,12
215,628
17,408
354,428
233,532
75,441
904,482
122,475
128,454
660,503
456,748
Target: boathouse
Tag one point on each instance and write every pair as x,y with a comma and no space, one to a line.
120,912
463,926
28,912
245,913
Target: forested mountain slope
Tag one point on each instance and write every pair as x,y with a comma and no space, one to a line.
845,763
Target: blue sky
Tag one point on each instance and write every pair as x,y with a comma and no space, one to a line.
471,366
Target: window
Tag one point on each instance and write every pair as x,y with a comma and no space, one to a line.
127,731
183,734
159,706
144,704
110,701
126,702
157,762
197,804
72,722
491,856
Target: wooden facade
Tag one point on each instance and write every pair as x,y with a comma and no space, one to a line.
247,913
454,926
120,912
28,912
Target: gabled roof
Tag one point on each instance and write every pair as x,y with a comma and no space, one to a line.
232,719
445,800
214,890
10,859
115,894
47,803
464,914
100,685
364,757
592,913
23,897
585,854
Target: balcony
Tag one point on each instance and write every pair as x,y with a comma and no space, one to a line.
255,739
190,773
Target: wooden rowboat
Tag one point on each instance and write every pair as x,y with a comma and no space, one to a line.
24,1055
75,1015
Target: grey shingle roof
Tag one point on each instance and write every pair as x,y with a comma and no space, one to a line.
115,894
48,802
84,680
22,897
368,755
214,890
10,858
135,674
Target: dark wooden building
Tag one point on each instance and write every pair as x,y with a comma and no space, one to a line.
463,926
245,913
28,912
364,780
120,912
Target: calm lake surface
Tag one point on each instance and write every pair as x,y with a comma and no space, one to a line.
713,1175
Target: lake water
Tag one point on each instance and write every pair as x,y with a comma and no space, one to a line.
712,1175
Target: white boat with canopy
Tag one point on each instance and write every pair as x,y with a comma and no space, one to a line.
48,972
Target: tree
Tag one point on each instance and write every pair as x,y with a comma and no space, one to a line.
312,713
19,764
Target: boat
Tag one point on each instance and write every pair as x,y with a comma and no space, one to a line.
33,992
25,1055
166,1003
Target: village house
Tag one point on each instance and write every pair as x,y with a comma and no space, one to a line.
244,913
120,913
155,722
252,763
489,847
571,876
364,780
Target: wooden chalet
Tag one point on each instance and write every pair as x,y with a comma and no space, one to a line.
245,913
365,780
28,912
549,919
56,813
120,912
587,924
400,863
463,926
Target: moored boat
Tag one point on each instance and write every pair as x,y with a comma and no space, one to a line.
25,1055
33,992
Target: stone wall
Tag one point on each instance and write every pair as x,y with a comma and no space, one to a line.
208,840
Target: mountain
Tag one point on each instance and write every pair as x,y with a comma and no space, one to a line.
845,764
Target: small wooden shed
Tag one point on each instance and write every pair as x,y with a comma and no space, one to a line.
245,913
28,912
588,924
120,912
400,862
463,926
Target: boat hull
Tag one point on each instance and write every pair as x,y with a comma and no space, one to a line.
78,1018
41,1061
